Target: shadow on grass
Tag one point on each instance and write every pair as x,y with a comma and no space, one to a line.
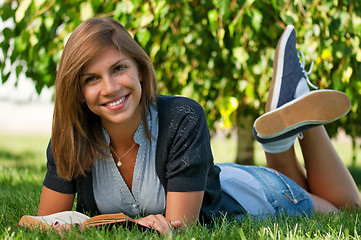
356,174
9,155
21,160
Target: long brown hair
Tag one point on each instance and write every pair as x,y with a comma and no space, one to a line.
77,135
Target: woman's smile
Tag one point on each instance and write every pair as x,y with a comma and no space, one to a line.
115,103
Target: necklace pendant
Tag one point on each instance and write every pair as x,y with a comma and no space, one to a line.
119,163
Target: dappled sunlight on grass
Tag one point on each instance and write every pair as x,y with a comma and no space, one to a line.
224,150
23,152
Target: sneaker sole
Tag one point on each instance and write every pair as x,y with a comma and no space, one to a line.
275,87
314,108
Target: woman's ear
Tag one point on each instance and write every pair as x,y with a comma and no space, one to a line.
139,73
140,77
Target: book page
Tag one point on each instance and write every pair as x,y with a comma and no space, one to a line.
63,217
107,218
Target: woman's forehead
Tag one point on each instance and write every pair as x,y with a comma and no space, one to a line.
106,58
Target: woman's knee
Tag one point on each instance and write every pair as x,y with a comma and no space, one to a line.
347,203
321,205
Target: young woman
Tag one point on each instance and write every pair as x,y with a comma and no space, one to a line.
122,148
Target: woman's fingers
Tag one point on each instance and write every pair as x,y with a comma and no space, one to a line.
157,222
61,228
177,224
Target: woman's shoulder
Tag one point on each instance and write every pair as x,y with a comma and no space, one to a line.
175,111
168,104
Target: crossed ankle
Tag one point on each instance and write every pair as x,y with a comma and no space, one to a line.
279,146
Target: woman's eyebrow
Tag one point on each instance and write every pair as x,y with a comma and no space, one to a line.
112,66
116,63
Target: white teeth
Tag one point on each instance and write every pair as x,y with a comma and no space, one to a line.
116,102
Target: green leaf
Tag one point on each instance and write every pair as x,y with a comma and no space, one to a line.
39,3
19,69
143,37
123,7
347,75
257,19
240,54
6,11
86,11
8,34
231,29
274,4
96,3
358,55
154,50
5,77
213,21
20,11
146,19
19,45
25,37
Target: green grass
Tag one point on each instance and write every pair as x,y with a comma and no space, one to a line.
23,166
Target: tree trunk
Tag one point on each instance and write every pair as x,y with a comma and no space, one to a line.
244,138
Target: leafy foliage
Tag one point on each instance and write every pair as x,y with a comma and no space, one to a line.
219,52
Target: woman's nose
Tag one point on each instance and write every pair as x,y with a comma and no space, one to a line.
109,85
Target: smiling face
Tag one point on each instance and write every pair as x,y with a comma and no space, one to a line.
111,88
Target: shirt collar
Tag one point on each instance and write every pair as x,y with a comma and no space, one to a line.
139,134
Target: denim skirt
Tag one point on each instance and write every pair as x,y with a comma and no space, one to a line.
282,193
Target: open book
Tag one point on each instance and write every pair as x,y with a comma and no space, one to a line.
73,217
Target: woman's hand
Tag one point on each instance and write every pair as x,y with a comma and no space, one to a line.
160,223
61,228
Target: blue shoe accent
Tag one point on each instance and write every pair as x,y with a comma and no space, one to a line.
288,71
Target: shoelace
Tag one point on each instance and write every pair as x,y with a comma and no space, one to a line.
300,135
303,69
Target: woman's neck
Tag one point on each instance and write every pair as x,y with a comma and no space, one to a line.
121,134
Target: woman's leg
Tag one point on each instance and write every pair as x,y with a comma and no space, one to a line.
291,109
288,164
327,178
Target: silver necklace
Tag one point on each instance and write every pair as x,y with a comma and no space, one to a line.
119,163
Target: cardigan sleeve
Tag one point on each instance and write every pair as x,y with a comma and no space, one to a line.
188,157
52,180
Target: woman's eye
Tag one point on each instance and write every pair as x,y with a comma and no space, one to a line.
121,67
90,79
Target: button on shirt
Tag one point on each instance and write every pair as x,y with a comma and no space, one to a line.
147,196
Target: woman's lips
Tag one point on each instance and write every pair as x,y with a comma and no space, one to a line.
115,105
